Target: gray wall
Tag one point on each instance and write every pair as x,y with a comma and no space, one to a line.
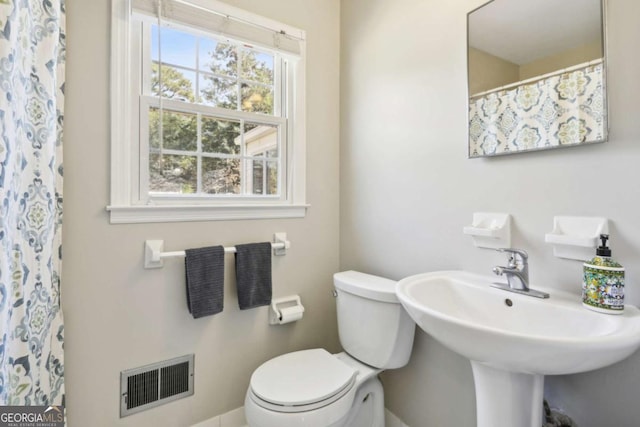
119,315
407,189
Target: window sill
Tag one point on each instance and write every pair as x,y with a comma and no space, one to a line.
155,213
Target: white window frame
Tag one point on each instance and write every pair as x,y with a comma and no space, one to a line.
129,151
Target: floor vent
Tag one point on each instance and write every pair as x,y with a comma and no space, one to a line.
154,385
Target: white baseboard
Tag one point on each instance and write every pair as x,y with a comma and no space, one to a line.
233,418
236,418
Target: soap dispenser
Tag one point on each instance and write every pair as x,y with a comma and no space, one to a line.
603,282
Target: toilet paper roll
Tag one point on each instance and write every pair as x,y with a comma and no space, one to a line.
290,314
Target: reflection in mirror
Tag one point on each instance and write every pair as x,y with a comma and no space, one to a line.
536,75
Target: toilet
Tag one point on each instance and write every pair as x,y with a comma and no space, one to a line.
314,388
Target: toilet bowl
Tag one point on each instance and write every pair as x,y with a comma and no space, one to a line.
311,388
314,388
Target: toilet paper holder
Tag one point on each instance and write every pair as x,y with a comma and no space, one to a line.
285,310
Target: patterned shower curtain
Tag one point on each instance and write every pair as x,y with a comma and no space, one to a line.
32,57
563,109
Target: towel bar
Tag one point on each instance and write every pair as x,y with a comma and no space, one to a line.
153,254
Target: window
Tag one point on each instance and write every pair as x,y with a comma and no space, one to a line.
207,113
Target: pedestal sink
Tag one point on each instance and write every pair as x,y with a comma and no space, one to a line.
514,340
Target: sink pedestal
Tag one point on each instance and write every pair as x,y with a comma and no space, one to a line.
507,399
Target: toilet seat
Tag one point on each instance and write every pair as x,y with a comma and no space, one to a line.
301,381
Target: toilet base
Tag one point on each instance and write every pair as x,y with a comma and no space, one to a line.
368,406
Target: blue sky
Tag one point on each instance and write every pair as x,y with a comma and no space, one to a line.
181,48
178,48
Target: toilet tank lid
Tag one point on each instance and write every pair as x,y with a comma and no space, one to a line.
366,285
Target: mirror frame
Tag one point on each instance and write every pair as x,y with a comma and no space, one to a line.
603,17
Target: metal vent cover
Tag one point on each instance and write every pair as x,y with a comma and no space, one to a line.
153,385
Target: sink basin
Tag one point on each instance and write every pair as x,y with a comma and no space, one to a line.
514,340
532,335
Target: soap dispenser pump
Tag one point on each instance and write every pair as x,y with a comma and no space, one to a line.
603,282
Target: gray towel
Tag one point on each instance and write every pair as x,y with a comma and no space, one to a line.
253,274
204,269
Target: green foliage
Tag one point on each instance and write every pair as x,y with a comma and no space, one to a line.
251,79
174,174
256,75
179,130
174,84
272,179
220,176
220,136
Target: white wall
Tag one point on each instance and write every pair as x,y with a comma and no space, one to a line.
119,315
407,189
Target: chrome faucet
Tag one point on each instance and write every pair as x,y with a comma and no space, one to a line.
517,272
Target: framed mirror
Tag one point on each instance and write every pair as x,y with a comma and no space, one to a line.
536,75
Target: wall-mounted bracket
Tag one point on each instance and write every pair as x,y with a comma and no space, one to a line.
152,251
281,244
490,230
576,237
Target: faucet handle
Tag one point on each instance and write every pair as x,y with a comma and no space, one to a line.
513,252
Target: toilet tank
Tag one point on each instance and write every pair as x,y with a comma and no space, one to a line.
373,327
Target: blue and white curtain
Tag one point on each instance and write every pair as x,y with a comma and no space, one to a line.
32,58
